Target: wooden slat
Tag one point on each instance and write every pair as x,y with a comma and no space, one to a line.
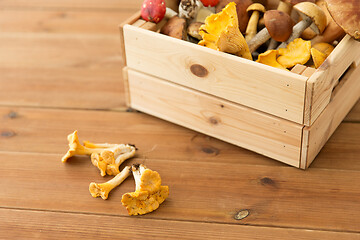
271,90
79,4
60,70
242,126
322,82
63,21
20,224
199,191
154,138
345,95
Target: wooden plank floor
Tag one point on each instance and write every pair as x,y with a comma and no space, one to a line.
60,70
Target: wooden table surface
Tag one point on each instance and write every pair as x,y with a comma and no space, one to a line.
60,70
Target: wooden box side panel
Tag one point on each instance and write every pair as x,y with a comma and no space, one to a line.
345,95
268,135
321,84
268,89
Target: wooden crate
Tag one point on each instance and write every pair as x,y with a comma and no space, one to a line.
287,116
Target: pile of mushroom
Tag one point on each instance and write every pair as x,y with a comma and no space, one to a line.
295,33
107,158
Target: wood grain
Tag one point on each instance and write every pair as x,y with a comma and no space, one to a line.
199,191
155,138
54,225
323,81
345,95
242,126
270,90
354,114
86,75
79,4
63,21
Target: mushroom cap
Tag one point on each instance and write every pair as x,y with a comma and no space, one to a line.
269,58
278,24
315,13
256,7
294,2
241,6
296,52
346,13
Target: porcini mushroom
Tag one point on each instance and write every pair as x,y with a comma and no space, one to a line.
285,6
278,25
175,27
312,16
149,193
193,30
254,9
102,190
221,32
242,15
269,58
346,13
296,52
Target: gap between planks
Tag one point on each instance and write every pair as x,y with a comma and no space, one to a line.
247,225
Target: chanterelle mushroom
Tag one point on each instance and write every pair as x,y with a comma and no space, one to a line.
112,156
242,15
75,148
346,13
278,25
269,58
312,16
296,52
102,190
221,32
319,52
149,193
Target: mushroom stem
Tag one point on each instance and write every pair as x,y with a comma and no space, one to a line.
251,28
102,190
259,39
297,30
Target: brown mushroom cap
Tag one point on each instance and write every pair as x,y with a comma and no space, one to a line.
346,13
311,10
241,6
279,25
256,7
294,2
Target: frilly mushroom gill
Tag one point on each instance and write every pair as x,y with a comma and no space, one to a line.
221,32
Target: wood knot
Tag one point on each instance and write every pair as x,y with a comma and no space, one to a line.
199,70
210,150
7,134
267,181
12,115
214,120
242,214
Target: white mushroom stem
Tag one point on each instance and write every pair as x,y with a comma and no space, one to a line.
122,156
297,30
258,40
102,190
170,13
251,28
138,170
